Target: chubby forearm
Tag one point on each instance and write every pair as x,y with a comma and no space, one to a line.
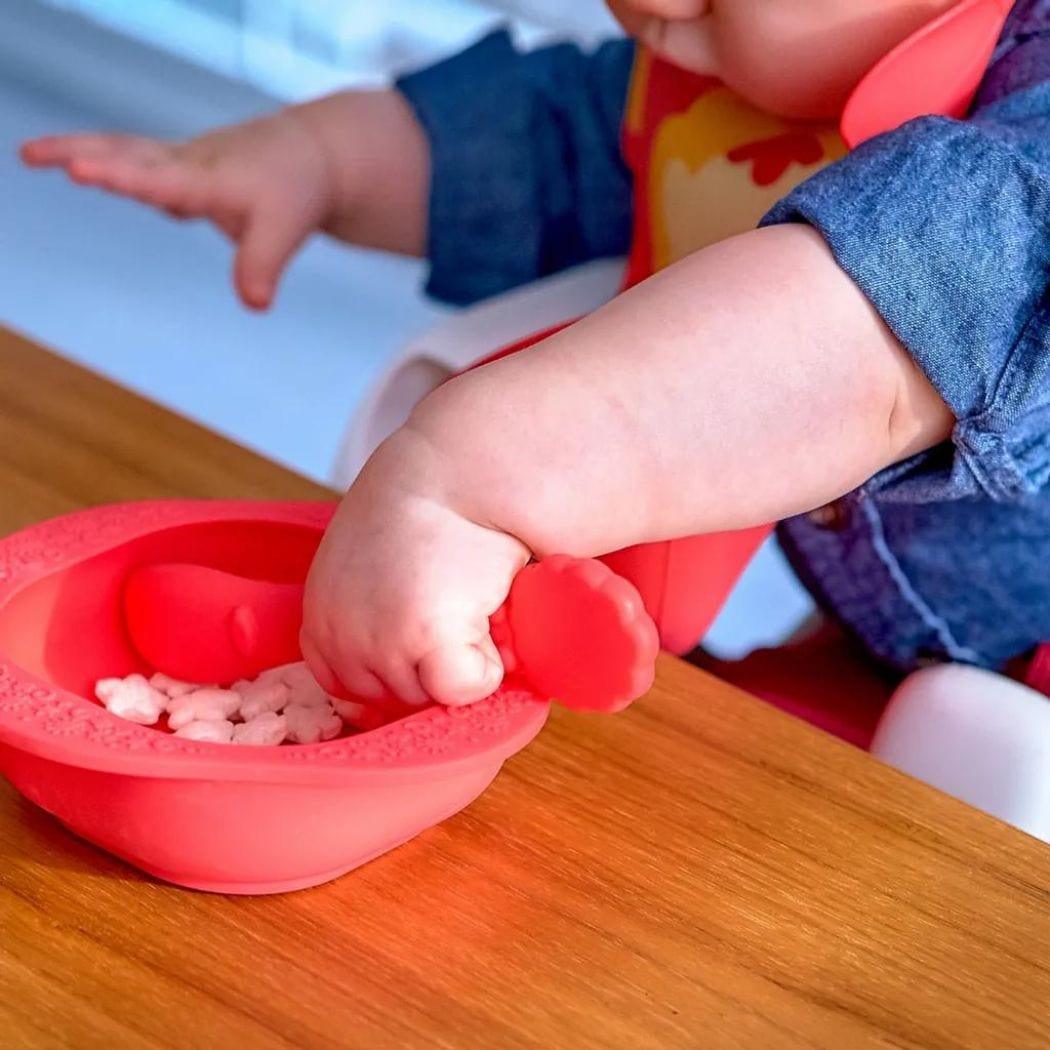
378,164
746,383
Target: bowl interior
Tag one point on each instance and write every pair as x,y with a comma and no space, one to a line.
67,626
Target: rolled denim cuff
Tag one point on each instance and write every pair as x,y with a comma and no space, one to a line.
526,172
945,227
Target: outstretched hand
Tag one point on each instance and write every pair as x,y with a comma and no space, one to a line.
265,184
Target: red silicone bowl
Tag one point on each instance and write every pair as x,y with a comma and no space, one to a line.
211,816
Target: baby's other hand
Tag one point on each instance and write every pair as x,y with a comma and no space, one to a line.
399,596
265,184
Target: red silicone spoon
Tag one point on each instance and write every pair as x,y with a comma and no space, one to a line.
571,628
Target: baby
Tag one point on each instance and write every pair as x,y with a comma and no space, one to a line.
879,349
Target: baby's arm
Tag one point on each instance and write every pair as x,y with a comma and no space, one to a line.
354,164
501,166
748,382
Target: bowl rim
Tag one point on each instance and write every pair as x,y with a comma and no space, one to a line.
45,720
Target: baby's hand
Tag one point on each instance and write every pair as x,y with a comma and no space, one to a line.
399,596
265,184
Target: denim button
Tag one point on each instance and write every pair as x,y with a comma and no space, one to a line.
834,516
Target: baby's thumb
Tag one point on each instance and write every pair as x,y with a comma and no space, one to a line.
270,240
461,673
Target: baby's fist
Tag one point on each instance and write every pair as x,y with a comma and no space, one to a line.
399,596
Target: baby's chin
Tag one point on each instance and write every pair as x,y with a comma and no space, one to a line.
775,89
803,102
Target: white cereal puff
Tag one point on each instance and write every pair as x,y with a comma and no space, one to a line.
214,731
172,687
204,704
268,730
132,699
261,697
308,725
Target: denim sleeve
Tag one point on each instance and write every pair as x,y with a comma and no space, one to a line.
527,176
945,226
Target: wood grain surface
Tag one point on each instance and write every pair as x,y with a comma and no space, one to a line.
701,871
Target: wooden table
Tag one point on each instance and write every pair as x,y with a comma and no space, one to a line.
701,871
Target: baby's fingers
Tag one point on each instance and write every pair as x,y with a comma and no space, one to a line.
61,150
168,185
358,685
458,674
143,169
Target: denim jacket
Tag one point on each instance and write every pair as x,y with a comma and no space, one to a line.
945,226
